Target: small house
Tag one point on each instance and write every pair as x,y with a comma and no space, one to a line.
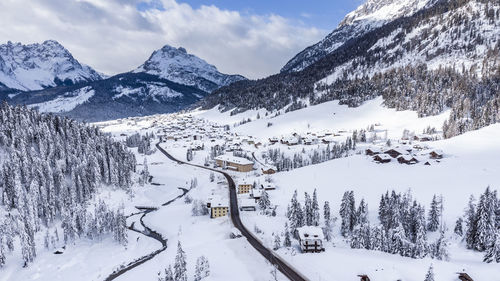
436,154
268,187
247,205
373,151
382,158
394,152
311,239
407,159
269,170
464,276
256,193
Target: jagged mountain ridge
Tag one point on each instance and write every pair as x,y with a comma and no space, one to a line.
38,66
176,65
170,80
367,17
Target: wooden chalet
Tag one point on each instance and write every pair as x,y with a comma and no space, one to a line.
364,277
436,154
268,170
394,153
382,158
407,159
311,239
464,276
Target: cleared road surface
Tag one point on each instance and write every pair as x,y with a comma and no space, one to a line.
280,264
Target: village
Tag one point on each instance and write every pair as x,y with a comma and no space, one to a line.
247,159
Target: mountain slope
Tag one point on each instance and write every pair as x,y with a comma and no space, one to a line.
176,65
39,66
463,36
367,17
170,80
120,96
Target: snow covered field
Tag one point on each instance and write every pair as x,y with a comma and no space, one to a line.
469,165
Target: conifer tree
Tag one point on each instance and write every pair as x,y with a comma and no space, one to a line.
493,250
180,270
430,274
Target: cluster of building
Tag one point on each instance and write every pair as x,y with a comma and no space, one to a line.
306,139
403,155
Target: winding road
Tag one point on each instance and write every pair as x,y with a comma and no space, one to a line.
269,255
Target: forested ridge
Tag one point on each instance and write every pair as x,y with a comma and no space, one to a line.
365,66
51,169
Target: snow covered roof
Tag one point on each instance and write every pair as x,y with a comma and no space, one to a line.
218,202
310,232
245,182
234,159
247,202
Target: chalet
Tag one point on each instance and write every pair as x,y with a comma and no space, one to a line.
256,193
218,208
268,187
407,159
373,151
364,277
234,163
462,276
311,239
393,152
247,205
328,139
423,138
269,170
273,140
382,158
436,154
244,187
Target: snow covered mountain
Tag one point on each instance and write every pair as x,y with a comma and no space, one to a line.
445,41
170,80
176,65
39,66
367,17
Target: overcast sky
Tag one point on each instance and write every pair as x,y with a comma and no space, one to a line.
252,38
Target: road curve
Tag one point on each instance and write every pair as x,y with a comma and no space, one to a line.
269,255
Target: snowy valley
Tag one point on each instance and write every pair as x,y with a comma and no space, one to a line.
372,155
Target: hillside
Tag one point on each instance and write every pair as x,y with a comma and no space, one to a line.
455,35
169,81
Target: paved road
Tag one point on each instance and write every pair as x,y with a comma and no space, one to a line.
280,264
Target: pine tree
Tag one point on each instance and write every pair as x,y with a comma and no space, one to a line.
277,242
180,270
169,275
362,213
458,230
202,268
470,223
295,214
347,213
485,220
493,250
315,209
430,274
440,248
264,202
434,215
287,241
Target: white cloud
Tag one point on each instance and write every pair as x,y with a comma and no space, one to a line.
113,36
